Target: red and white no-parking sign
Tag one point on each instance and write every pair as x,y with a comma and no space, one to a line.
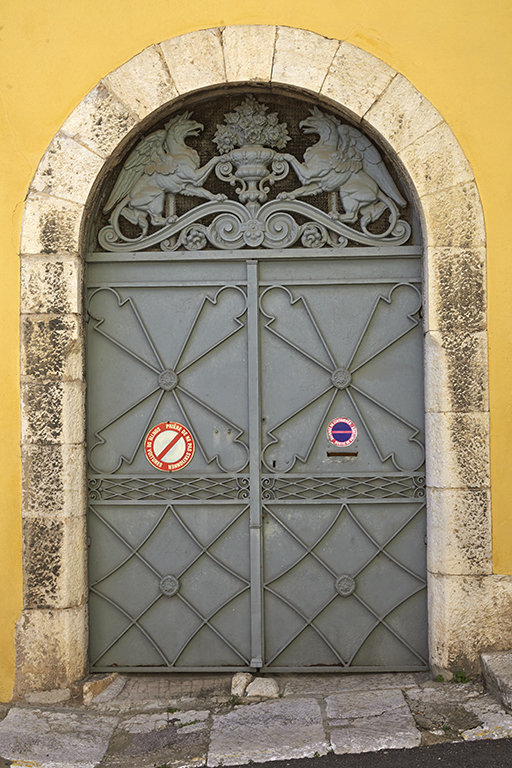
169,446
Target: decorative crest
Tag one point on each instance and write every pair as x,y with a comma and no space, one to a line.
343,162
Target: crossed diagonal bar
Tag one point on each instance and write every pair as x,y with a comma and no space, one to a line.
309,550
203,550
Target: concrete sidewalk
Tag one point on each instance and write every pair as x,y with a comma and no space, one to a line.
142,721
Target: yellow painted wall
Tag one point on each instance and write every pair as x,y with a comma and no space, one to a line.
52,52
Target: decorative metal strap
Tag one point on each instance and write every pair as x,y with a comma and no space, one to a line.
293,488
167,488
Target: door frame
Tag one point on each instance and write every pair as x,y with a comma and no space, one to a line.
51,634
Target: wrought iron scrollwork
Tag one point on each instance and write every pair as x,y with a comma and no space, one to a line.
344,163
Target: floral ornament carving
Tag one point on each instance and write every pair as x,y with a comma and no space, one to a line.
249,125
343,163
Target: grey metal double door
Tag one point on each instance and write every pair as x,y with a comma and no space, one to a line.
273,548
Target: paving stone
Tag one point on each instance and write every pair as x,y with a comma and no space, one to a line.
496,722
171,689
57,738
145,723
346,706
394,730
167,746
445,693
277,730
326,684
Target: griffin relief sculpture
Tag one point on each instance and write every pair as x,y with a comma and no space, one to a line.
346,162
161,163
250,143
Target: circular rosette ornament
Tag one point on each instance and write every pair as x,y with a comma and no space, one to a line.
254,232
169,585
194,237
345,585
313,236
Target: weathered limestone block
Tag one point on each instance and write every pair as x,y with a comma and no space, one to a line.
302,58
51,285
53,412
435,161
240,682
459,532
459,450
454,217
54,562
143,83
497,672
50,225
264,687
52,347
67,170
456,294
93,688
401,114
99,122
356,79
456,372
468,616
53,481
248,52
51,649
195,60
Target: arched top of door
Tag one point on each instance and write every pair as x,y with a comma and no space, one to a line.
252,168
161,80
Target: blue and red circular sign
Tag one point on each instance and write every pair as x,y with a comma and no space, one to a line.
342,432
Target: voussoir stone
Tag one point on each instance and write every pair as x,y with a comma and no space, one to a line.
143,83
356,78
99,122
67,170
195,60
402,114
248,52
277,730
302,58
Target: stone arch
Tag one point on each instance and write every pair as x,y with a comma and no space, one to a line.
51,637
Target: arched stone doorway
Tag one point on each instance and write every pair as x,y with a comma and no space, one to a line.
363,88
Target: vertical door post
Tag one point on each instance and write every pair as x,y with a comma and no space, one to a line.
254,463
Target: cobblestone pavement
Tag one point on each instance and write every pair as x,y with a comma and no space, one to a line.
192,720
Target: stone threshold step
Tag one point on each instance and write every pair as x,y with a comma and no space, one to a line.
497,672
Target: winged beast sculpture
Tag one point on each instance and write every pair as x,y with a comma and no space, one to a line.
160,164
344,161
